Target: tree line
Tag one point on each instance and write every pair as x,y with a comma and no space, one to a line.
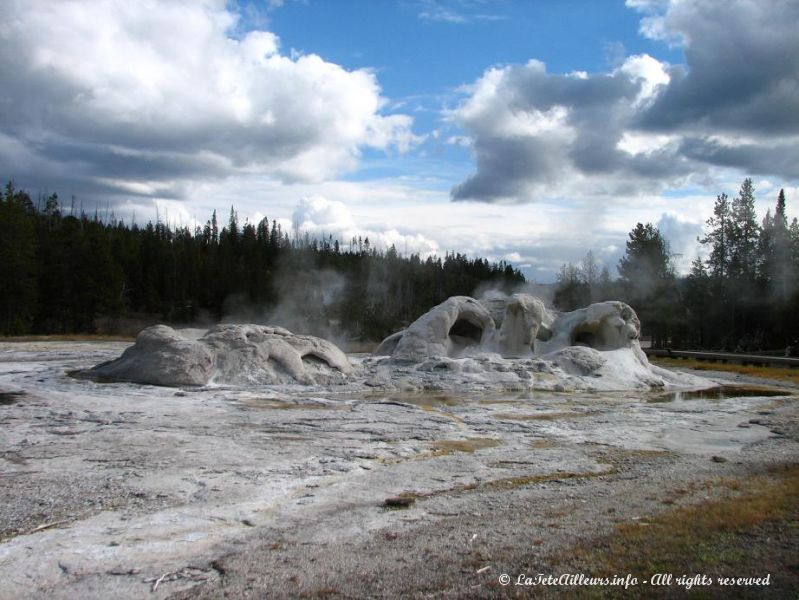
743,297
62,272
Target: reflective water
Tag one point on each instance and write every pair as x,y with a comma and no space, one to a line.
721,392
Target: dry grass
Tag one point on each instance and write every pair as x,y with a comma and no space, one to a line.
507,483
510,483
730,536
543,443
624,456
441,448
779,373
469,445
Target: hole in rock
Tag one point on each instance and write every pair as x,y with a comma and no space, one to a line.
316,360
593,337
585,338
465,333
7,398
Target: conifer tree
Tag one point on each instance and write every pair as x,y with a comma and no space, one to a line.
647,278
571,291
18,264
718,236
744,235
781,272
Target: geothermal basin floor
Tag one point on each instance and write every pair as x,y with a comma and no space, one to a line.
132,491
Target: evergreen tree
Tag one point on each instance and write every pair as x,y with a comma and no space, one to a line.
590,272
718,236
778,265
648,282
697,296
571,291
18,262
646,261
67,272
72,273
744,236
606,290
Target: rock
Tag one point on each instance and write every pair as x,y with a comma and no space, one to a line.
602,326
516,342
462,325
455,345
257,354
160,356
516,326
524,316
388,345
449,329
578,360
494,301
227,354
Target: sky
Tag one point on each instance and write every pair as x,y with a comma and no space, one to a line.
529,131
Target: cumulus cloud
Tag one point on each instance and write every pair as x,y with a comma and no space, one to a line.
681,233
314,212
320,217
111,93
742,71
536,133
645,125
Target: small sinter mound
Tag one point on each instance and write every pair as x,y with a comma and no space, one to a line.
227,354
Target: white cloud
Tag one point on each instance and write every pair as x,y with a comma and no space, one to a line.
109,87
633,142
457,12
538,136
320,217
649,72
314,212
645,126
681,233
156,103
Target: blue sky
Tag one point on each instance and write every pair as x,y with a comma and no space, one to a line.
430,48
424,52
526,131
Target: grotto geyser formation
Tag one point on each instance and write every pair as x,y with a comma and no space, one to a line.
516,342
497,342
